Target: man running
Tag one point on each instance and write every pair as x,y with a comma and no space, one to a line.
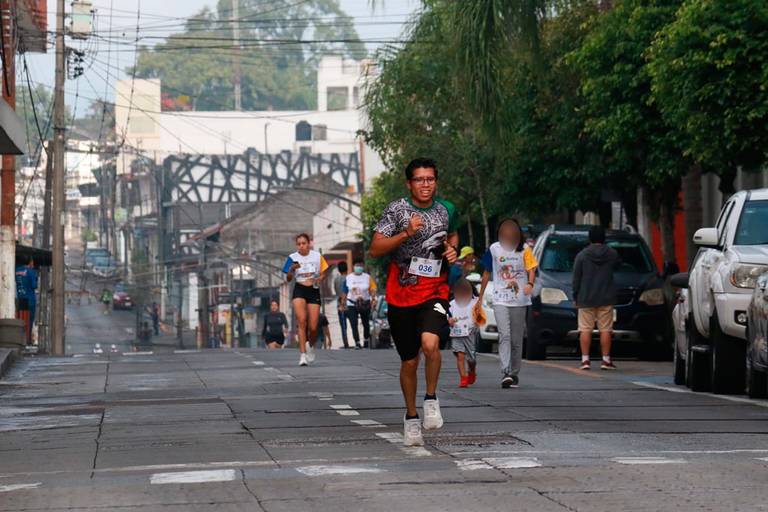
419,232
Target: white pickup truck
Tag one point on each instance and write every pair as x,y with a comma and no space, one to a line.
733,255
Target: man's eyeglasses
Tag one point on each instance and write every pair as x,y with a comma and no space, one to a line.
428,180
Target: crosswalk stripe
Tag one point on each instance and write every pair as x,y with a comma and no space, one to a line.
193,477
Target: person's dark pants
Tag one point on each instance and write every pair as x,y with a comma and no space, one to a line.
156,326
343,324
365,315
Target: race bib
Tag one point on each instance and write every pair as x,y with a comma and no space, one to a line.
504,294
425,267
459,330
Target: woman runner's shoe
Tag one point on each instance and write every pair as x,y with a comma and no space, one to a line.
303,360
310,353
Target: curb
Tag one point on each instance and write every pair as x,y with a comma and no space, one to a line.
7,358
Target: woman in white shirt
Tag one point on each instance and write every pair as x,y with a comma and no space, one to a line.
360,296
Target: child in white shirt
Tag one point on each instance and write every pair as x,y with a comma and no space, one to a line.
463,331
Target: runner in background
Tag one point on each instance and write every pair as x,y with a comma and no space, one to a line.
360,293
338,288
512,266
275,326
307,268
419,234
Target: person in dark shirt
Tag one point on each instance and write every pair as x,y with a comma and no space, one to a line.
275,326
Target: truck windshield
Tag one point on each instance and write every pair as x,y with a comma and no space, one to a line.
753,224
560,253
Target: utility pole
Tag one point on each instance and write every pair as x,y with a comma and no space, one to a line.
44,322
57,214
237,78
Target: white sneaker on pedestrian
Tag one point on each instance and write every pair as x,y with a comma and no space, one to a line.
412,432
303,360
432,417
310,353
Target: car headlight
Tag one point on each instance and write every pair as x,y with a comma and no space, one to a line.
553,296
745,276
653,297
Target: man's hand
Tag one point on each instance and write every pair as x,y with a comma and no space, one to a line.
414,225
295,266
450,253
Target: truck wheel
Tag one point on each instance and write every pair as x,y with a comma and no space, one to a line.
757,383
679,365
727,357
697,361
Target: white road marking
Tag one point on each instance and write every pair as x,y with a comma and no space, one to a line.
186,351
418,451
258,363
145,353
347,412
19,487
647,460
763,459
513,462
737,399
367,423
392,437
340,406
498,463
336,470
325,399
193,477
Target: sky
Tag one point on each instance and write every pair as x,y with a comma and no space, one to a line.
392,13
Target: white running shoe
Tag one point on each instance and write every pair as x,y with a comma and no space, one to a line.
303,360
412,432
310,353
432,417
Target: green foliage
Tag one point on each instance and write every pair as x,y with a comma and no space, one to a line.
710,79
197,65
616,84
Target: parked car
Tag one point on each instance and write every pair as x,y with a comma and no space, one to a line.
680,313
641,316
733,255
121,300
757,340
381,336
488,334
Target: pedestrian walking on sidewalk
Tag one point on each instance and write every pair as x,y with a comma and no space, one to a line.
360,297
463,329
106,299
595,295
512,266
419,234
155,315
307,268
341,303
275,326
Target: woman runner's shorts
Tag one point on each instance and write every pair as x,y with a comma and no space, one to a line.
465,344
408,323
274,338
308,293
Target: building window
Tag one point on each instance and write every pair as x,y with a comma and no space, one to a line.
337,98
303,131
356,97
319,132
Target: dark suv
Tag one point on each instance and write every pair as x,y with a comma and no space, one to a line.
641,314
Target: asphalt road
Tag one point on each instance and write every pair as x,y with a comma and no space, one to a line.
249,430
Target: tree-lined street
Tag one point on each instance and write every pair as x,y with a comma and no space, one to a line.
249,430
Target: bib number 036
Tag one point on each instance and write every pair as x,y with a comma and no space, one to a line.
425,267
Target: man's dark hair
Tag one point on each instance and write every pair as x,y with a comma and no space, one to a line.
414,164
342,266
597,235
360,262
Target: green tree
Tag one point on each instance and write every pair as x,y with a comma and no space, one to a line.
197,64
40,103
621,113
710,80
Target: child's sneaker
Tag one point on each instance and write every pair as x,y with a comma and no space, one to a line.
472,377
464,382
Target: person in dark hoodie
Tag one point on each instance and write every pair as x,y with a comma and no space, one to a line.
595,295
